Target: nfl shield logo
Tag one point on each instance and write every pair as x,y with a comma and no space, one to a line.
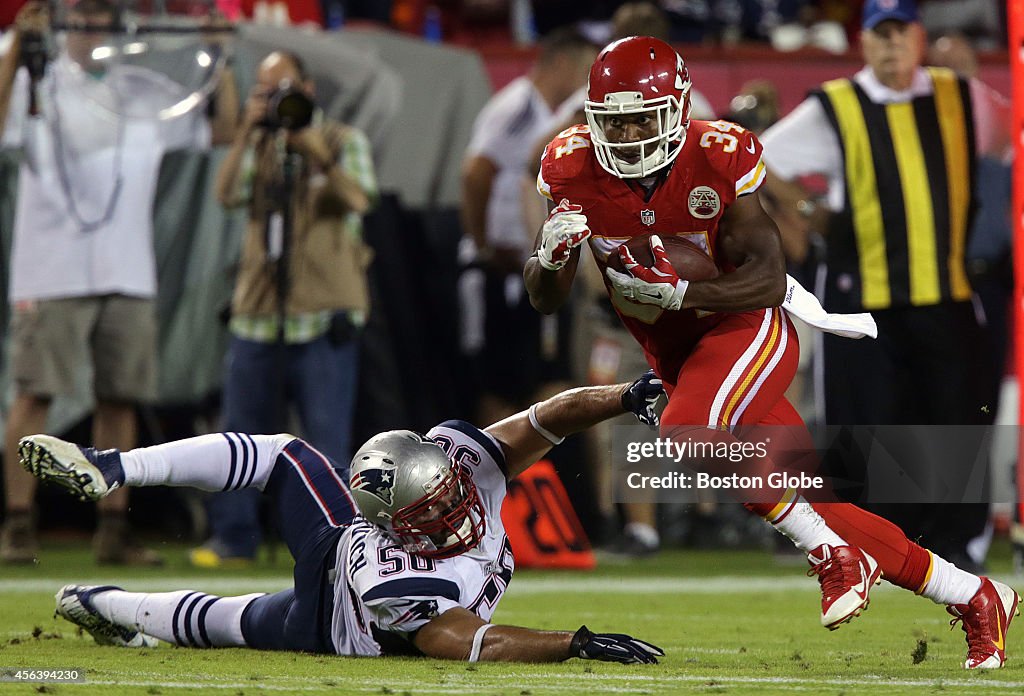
647,217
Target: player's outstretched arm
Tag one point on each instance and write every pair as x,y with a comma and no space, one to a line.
750,241
459,634
529,435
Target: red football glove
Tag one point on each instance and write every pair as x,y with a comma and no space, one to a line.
564,230
658,285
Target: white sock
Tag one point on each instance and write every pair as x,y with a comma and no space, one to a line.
799,521
193,619
217,462
643,532
947,584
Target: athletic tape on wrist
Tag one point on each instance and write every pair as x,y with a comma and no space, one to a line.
544,432
478,642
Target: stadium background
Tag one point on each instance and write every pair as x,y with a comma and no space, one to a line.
383,82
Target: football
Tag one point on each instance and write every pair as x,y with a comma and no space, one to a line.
689,260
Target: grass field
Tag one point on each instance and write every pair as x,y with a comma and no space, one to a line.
730,622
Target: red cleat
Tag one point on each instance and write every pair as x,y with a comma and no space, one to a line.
846,575
985,620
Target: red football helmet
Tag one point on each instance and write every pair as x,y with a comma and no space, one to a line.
634,75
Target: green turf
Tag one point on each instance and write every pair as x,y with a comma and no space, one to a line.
730,622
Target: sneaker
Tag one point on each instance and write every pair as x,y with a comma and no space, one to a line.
846,575
86,472
18,543
74,603
214,554
633,545
986,620
114,545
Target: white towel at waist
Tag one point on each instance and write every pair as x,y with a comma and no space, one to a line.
804,305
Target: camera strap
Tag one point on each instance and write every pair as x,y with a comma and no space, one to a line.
63,175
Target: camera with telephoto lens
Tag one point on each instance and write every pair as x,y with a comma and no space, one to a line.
288,107
34,54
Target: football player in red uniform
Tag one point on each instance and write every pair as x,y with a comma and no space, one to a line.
725,348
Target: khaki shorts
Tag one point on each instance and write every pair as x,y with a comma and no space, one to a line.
111,336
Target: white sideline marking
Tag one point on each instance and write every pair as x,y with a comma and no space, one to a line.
572,683
521,586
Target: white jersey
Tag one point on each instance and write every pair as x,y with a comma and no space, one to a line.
505,132
87,180
383,595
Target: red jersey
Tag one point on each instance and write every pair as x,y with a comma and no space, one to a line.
719,162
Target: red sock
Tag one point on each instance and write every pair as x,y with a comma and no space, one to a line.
903,562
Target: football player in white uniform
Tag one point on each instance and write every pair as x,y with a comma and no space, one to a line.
402,552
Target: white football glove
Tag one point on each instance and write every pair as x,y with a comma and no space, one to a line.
564,230
658,285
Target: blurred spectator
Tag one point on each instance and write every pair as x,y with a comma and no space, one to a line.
755,106
733,21
983,22
517,350
895,245
551,14
83,273
954,51
639,19
301,295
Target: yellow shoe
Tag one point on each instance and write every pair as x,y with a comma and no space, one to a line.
209,556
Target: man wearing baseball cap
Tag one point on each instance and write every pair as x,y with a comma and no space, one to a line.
897,143
877,11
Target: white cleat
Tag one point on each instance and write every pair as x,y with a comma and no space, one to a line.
846,575
87,473
74,603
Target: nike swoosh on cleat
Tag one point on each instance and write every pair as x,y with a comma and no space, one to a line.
1001,641
862,588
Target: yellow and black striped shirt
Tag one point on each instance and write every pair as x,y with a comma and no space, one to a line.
909,170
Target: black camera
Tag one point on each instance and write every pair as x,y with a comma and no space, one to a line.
34,54
290,108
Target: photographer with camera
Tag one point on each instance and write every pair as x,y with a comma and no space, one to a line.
83,267
301,294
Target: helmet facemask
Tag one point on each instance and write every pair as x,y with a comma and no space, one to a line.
404,483
655,152
446,522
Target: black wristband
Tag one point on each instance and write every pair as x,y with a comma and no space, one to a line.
579,639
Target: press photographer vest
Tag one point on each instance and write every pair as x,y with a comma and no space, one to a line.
328,258
909,170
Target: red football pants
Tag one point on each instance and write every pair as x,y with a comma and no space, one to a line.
733,385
